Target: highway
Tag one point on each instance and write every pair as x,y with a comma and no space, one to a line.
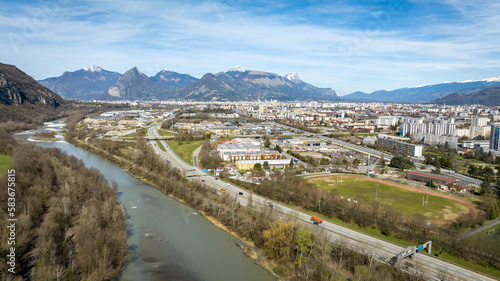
432,268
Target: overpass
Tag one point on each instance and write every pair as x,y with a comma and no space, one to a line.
153,138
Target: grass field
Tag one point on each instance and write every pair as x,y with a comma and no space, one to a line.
407,201
160,145
5,163
164,133
186,149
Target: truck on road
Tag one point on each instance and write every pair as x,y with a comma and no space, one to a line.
316,220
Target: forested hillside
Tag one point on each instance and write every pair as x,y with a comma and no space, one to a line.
70,225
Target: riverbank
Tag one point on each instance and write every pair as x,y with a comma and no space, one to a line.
141,173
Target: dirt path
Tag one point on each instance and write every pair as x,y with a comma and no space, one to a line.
477,230
472,207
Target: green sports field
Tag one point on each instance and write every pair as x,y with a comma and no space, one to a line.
407,201
5,163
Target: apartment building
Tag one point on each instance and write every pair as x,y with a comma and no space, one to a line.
399,144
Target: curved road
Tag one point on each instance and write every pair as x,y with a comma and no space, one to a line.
431,267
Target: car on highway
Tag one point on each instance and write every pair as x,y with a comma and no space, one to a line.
216,178
269,203
382,259
202,180
240,193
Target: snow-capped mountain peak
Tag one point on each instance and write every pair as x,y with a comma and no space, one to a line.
93,68
492,79
236,68
294,77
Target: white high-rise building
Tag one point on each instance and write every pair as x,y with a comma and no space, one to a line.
479,121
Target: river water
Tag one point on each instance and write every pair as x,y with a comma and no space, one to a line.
169,240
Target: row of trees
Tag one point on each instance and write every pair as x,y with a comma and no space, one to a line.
445,161
70,225
208,158
481,155
296,191
401,162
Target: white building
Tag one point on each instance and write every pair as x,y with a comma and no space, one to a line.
435,139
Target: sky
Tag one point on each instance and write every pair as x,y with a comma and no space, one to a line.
344,45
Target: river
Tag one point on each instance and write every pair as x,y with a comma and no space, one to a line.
169,240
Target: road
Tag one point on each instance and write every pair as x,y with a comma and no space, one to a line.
479,229
431,267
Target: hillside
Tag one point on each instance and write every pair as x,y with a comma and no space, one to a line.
17,88
490,97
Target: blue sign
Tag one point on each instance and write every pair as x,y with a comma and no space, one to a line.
420,248
204,170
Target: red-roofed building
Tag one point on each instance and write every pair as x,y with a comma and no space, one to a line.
426,177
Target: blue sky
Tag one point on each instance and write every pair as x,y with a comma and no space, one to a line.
345,45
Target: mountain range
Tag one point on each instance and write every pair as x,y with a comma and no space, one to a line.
95,83
426,93
235,84
490,96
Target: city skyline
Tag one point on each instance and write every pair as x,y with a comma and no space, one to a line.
347,46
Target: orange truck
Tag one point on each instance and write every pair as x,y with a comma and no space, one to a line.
316,220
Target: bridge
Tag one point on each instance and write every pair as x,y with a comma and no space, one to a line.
159,138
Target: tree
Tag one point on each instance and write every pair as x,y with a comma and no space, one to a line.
324,161
473,170
278,148
446,145
267,143
493,212
257,166
265,165
401,162
278,239
304,244
382,162
346,163
355,163
485,187
488,174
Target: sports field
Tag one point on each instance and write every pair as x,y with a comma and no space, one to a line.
5,163
439,208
